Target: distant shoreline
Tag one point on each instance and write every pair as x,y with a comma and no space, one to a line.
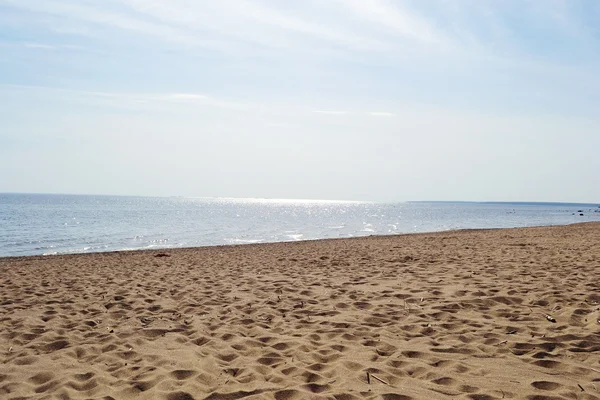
311,199
520,203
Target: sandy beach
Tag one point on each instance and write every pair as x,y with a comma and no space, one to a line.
477,314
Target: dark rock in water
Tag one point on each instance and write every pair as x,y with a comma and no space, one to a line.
581,215
579,211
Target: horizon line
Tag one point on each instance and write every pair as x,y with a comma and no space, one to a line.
282,199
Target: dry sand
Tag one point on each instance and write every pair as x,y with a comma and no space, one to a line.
457,315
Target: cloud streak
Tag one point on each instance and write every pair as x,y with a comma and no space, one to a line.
330,112
218,25
348,26
391,17
381,114
120,98
357,49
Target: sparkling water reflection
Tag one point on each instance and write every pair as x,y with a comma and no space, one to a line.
54,224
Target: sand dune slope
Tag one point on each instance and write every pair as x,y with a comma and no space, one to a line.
495,314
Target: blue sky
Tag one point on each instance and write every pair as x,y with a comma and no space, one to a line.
339,99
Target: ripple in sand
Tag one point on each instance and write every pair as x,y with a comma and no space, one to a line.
41,378
179,396
395,396
182,374
545,385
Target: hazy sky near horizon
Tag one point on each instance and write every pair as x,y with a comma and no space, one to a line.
339,99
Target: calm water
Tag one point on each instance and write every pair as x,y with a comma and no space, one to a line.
55,224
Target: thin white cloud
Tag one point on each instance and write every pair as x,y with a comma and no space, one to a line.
27,45
394,18
42,46
75,11
330,112
228,25
38,46
252,21
367,32
381,114
305,26
383,26
188,96
127,97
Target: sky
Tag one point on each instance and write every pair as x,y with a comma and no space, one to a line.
379,100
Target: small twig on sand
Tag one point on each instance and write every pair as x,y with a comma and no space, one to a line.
581,387
549,318
502,342
379,379
368,378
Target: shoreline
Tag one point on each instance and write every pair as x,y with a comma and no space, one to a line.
510,313
168,249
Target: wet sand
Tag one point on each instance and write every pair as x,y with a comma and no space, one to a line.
479,314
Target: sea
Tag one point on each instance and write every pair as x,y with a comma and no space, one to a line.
50,224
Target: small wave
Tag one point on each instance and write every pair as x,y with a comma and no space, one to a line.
159,241
44,247
82,250
367,227
245,241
